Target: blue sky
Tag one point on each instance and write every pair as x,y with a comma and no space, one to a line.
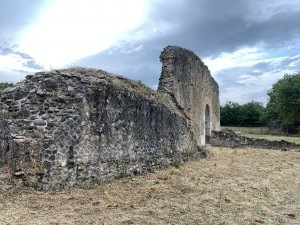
247,45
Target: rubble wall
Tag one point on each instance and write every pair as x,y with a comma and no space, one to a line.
66,128
228,138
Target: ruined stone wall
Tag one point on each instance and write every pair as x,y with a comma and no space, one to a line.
4,138
185,77
67,128
228,138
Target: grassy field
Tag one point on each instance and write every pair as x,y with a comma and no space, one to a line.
234,186
249,130
274,137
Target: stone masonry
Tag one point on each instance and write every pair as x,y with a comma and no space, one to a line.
78,126
185,77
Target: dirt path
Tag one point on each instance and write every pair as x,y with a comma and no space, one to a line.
235,186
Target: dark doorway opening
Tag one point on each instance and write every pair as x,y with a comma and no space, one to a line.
207,125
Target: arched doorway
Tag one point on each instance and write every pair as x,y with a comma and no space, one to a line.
207,125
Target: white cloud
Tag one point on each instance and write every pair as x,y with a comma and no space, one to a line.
127,48
296,63
240,58
240,77
72,29
252,88
14,62
11,76
244,57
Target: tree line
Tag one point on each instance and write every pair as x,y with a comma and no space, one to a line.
252,114
5,85
281,112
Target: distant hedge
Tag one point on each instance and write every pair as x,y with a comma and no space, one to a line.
5,85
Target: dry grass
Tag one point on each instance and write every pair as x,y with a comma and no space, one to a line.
235,186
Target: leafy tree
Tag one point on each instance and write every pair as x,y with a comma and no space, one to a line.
5,85
230,114
250,114
253,114
284,102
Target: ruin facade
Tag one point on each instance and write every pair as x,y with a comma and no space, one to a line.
185,77
66,128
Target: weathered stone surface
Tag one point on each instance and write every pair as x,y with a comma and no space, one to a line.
70,127
86,125
229,138
188,81
39,122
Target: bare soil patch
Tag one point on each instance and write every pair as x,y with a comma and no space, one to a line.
234,186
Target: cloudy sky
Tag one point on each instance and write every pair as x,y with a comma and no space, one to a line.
248,45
